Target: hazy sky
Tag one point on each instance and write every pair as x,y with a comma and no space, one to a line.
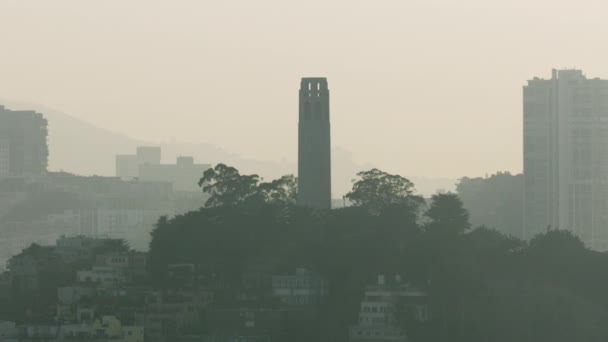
422,87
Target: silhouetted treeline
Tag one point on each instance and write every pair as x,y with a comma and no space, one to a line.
484,286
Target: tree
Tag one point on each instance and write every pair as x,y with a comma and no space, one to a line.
35,301
378,190
557,242
227,186
470,275
447,215
485,241
282,190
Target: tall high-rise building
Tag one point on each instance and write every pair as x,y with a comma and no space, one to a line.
314,145
23,145
566,156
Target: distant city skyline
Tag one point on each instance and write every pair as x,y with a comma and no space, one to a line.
320,170
98,147
409,78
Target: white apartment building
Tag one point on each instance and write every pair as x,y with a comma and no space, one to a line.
566,156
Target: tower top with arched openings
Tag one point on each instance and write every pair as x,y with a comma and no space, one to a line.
314,99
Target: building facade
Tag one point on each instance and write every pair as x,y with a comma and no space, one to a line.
314,145
386,308
5,158
127,165
184,174
23,145
566,156
146,166
301,288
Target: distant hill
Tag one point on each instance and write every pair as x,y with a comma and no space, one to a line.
79,147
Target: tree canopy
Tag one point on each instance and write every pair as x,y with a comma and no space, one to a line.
377,190
483,285
447,214
227,187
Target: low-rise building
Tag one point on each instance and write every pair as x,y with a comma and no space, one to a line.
301,288
131,264
411,301
102,275
385,308
38,332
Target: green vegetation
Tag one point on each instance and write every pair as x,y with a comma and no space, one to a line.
485,286
32,296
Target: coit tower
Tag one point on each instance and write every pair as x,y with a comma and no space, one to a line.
314,145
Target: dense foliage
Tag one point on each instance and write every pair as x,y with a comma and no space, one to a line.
227,187
484,286
377,190
37,304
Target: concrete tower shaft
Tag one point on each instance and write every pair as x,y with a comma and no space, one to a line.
314,145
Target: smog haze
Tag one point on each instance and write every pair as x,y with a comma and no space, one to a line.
409,79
